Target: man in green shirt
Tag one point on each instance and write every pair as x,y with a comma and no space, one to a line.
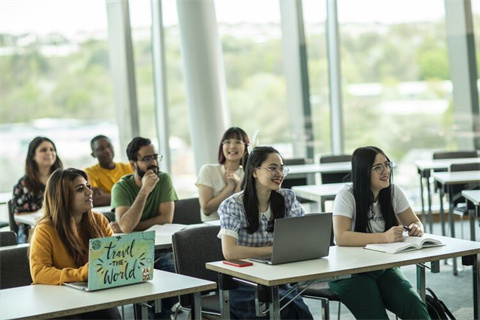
143,199
147,196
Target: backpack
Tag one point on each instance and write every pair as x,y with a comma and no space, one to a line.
436,308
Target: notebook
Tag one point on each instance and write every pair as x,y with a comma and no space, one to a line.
119,260
300,238
407,244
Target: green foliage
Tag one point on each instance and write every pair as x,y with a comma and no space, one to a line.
54,77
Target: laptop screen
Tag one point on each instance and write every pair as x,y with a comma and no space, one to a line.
121,260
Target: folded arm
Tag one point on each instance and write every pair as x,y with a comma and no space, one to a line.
231,250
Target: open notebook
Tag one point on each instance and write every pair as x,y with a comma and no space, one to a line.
408,244
119,260
300,238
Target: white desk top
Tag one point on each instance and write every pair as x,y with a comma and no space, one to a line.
457,177
46,301
345,261
313,192
442,163
472,195
322,168
5,196
31,218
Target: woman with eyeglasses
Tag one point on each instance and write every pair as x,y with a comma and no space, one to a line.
59,243
246,226
218,181
373,210
41,161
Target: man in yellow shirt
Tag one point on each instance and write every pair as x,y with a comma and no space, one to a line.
103,175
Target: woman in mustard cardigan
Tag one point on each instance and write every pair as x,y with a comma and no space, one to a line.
59,242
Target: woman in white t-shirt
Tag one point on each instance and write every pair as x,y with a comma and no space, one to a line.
372,210
216,182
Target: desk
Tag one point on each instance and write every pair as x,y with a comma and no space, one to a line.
32,218
4,197
343,261
46,301
424,169
319,193
310,170
474,197
448,179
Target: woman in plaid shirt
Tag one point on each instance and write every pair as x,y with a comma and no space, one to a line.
246,221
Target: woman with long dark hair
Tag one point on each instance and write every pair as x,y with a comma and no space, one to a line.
59,242
218,181
246,222
373,210
28,193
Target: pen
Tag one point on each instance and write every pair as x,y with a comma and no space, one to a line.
406,228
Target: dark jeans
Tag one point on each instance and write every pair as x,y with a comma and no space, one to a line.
163,261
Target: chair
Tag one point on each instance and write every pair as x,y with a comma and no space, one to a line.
187,211
192,248
8,238
11,219
334,177
460,208
455,154
288,183
14,267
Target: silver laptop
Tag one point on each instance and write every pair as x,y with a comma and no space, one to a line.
300,238
118,261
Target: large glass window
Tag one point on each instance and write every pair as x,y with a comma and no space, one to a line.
396,81
182,161
55,81
251,40
314,13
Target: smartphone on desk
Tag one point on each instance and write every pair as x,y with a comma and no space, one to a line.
238,263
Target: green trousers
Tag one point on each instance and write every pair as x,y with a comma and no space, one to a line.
368,295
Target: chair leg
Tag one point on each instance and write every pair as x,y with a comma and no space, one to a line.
339,309
325,309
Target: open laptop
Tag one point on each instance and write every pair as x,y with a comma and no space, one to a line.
119,260
300,238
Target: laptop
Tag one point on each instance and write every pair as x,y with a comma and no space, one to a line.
118,261
300,238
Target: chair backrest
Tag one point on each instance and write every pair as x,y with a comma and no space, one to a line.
8,238
465,166
457,188
187,211
335,177
14,267
11,219
289,182
294,161
194,247
336,158
455,154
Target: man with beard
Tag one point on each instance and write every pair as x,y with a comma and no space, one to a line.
143,199
105,173
147,196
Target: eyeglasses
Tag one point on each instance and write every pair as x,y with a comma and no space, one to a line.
282,170
380,168
232,141
156,157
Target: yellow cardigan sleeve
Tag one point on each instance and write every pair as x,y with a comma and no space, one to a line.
50,261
